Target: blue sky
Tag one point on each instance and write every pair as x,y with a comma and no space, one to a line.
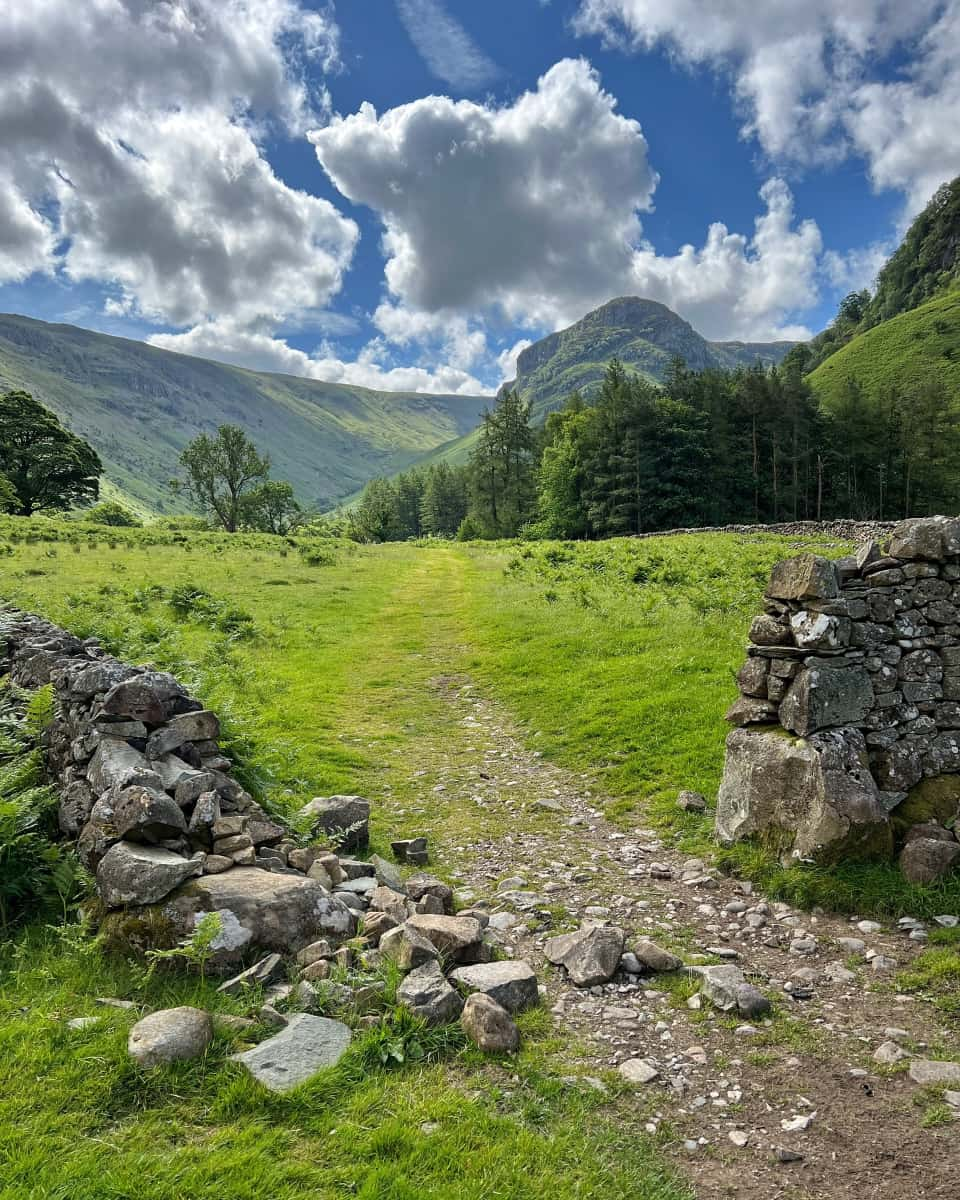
400,193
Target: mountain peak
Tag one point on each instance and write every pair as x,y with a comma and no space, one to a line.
644,334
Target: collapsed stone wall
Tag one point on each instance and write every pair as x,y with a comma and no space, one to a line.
157,811
848,721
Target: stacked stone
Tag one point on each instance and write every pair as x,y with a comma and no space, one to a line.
861,658
153,803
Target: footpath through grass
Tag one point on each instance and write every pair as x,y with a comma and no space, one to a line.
324,673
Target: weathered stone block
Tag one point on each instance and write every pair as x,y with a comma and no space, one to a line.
926,537
821,697
812,798
808,576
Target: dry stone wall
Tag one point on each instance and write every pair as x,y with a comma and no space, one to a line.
848,721
157,811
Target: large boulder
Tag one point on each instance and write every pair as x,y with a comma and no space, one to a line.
133,874
170,1035
343,819
591,955
305,1046
260,911
810,798
824,696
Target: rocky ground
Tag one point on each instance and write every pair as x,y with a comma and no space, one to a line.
812,1101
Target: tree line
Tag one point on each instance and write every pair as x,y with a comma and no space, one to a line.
715,447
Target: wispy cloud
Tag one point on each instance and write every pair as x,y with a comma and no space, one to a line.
445,46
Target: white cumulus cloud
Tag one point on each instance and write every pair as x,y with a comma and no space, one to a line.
821,80
531,211
130,155
260,350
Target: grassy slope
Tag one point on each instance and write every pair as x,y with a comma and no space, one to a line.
139,406
898,352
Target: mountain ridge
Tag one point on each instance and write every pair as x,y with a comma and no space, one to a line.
139,405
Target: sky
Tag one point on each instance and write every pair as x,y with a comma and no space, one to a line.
404,193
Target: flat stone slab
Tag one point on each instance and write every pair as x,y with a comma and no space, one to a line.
297,1052
512,983
932,1072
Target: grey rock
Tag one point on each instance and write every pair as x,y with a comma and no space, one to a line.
134,874
511,982
806,577
387,874
813,797
752,678
749,711
169,1036
768,631
591,955
638,1070
407,948
343,819
303,1047
822,696
457,938
654,958
419,886
721,985
427,994
116,764
930,1072
264,971
817,631
694,802
931,538
489,1025
260,910
141,814
751,1002
925,860
151,697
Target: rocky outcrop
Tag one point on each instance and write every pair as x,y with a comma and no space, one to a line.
849,703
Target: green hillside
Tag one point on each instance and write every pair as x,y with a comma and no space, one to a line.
913,346
139,406
645,335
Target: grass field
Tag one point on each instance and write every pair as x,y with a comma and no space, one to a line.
615,660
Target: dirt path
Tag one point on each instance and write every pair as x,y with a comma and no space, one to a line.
495,810
717,1076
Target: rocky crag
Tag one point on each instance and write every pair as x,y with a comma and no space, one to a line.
847,743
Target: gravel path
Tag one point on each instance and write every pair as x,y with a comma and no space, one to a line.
793,1106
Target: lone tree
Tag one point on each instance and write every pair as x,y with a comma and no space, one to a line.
220,472
272,508
47,466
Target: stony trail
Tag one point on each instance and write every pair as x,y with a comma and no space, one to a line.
725,1089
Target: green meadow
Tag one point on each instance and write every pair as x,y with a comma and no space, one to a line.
327,661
